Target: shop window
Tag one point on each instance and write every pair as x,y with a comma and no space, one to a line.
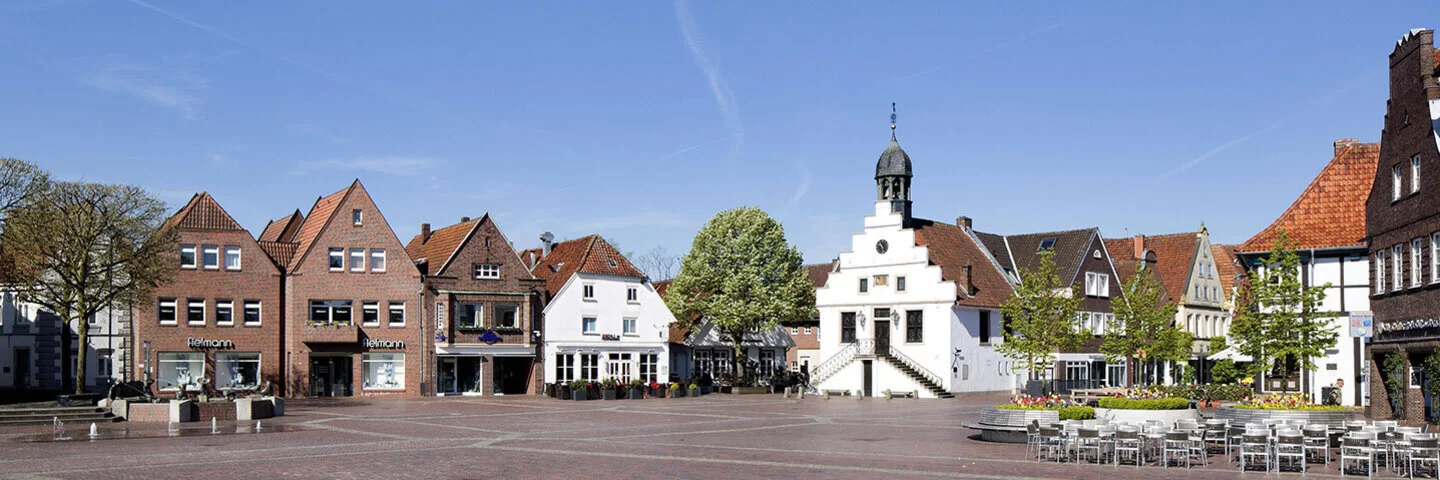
237,370
178,369
564,368
384,371
649,367
590,366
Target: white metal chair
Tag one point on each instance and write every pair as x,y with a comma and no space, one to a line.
1176,443
1423,452
1254,445
1088,440
1317,441
1290,445
1052,445
1356,447
1032,439
1127,440
1233,437
1198,446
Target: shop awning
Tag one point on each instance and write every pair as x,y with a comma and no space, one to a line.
1230,353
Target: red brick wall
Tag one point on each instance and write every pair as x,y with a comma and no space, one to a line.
311,279
258,279
802,341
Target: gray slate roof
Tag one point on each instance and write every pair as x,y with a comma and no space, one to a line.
893,161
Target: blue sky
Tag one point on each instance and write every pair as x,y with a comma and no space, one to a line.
640,120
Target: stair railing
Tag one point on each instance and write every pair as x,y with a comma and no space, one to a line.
914,365
832,365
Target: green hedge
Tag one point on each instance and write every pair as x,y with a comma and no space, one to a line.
1150,404
1218,392
1077,413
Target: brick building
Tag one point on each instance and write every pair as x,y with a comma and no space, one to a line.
1402,228
806,333
351,293
482,301
217,325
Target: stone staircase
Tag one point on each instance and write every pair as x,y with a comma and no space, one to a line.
47,415
920,378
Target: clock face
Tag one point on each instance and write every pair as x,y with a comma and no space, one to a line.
882,246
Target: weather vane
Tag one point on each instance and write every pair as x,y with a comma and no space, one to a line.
892,119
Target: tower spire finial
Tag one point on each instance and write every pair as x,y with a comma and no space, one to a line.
893,116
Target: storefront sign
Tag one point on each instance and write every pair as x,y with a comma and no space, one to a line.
383,344
1417,324
1362,324
193,342
490,337
610,337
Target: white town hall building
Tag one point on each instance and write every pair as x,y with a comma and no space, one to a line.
914,306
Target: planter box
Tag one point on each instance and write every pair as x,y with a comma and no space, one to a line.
637,394
608,394
677,393
1008,426
749,390
323,333
1139,416
1332,418
579,394
694,392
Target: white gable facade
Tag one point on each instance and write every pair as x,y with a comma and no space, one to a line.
606,348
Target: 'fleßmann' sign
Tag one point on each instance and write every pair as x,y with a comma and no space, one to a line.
383,344
193,342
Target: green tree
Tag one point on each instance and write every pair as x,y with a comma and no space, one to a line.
1430,370
1041,318
1224,372
79,248
1281,321
1392,371
1144,326
742,276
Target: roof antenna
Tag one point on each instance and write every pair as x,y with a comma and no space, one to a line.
892,120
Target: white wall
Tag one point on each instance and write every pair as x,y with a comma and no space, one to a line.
563,329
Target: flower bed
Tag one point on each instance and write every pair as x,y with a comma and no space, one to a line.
1279,401
1145,403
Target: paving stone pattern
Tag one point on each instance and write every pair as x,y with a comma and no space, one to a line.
519,437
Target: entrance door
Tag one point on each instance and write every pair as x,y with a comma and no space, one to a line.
331,376
447,375
882,337
22,368
619,367
869,376
512,375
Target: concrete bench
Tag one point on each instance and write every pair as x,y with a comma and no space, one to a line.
901,394
838,393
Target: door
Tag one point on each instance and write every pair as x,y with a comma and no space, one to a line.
619,367
882,337
868,366
447,375
330,376
512,375
22,368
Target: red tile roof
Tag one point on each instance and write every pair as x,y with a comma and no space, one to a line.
1174,256
1331,211
819,273
952,248
442,245
1226,266
280,252
320,214
589,254
204,213
282,229
1122,253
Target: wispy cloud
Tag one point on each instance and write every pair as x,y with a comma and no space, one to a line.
696,146
724,97
398,166
167,87
804,186
646,219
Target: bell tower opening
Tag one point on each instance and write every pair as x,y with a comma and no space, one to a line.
893,174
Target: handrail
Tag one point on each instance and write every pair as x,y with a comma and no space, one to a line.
933,378
833,365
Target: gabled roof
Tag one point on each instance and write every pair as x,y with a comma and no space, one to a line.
996,245
280,252
282,229
819,273
1174,257
442,245
1122,255
314,223
1070,247
589,254
952,248
704,334
1227,264
1330,213
203,213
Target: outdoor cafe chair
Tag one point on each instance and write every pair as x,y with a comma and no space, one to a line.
1176,443
1386,424
1052,445
1254,445
1290,445
1088,440
1233,437
1197,446
1127,440
1317,441
1186,424
1215,437
1356,447
1424,452
1032,438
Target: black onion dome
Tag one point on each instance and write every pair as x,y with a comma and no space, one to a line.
894,162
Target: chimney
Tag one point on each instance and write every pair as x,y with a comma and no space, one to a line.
1342,144
965,281
545,243
964,222
464,219
1139,247
424,232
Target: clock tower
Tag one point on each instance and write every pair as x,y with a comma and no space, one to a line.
892,180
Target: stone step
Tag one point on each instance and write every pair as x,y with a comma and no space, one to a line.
106,418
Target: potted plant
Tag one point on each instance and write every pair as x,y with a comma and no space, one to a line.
562,391
607,388
694,390
637,389
675,390
657,390
579,389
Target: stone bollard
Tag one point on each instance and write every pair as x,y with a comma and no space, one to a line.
277,406
120,408
182,411
244,409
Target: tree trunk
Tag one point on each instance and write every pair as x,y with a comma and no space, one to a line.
82,327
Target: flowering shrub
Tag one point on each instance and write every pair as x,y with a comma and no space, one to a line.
1283,401
1145,403
1026,402
1216,392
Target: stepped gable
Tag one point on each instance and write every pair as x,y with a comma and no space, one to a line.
1330,212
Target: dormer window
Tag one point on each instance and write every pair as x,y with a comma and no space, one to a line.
1046,244
613,264
357,217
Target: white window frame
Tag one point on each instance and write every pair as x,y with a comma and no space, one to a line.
1417,261
630,326
229,250
807,330
225,305
194,256
259,313
357,259
1379,271
204,312
1415,173
564,368
377,255
367,307
1397,178
587,292
590,325
174,311
1398,267
390,311
357,217
477,319
487,271
336,252
499,319
1435,257
794,330
374,360
205,252
632,294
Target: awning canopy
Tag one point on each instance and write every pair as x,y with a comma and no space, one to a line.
1230,353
